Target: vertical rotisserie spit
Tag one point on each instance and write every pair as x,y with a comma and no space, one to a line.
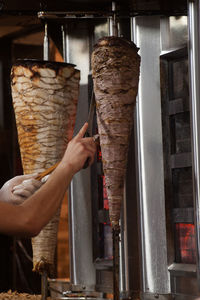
115,71
45,96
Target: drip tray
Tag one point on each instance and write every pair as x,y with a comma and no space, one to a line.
64,290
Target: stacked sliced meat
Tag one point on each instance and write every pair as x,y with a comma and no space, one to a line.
45,99
115,71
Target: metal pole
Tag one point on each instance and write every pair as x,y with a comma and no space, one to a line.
194,73
44,277
115,235
122,254
46,43
155,277
44,286
110,28
112,22
113,31
64,42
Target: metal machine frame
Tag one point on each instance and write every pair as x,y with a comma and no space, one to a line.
158,277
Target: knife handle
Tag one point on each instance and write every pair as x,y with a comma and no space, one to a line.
86,164
46,172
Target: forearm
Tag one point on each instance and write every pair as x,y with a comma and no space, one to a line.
28,218
41,206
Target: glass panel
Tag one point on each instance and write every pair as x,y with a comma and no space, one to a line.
185,243
182,188
174,33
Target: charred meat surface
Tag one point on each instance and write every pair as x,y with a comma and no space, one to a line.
115,71
45,96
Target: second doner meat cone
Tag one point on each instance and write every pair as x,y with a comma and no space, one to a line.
115,71
45,96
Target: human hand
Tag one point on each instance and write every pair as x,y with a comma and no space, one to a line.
78,150
19,188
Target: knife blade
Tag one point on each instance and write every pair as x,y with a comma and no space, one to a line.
90,123
91,114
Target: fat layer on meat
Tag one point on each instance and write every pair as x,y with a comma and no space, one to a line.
45,99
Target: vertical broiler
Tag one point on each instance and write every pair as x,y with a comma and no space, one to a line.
115,79
115,71
45,99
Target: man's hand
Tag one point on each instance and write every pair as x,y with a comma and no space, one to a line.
78,150
19,188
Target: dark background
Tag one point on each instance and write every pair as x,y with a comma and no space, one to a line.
130,5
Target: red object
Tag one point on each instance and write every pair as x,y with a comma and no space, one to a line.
99,154
185,239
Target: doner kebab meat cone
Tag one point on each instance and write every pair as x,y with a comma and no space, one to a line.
115,72
45,96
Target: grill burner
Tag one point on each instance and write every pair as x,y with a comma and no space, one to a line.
185,243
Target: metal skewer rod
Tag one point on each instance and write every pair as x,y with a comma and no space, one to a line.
64,42
115,235
44,285
116,227
114,21
46,43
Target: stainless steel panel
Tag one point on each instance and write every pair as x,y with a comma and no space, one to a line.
79,42
174,33
194,71
81,256
155,276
